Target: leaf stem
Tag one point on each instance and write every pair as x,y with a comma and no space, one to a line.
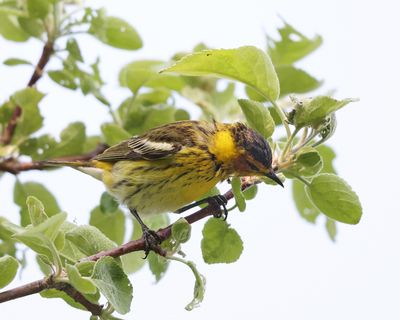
199,281
307,183
288,144
307,141
282,116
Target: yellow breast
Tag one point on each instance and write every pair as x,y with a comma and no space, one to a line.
163,185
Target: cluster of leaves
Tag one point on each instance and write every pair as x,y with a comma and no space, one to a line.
152,88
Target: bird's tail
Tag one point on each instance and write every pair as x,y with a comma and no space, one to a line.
85,166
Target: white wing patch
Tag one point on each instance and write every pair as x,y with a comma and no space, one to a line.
145,146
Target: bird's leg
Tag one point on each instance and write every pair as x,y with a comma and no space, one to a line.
192,205
218,200
151,239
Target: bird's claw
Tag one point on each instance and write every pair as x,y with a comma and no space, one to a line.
220,201
152,242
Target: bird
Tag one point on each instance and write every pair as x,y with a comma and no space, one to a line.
171,166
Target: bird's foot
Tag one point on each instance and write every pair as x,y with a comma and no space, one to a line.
152,242
219,201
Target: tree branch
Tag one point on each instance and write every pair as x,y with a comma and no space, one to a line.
36,75
93,308
48,50
49,283
14,166
26,290
131,246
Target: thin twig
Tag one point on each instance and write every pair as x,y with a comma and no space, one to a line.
36,75
14,166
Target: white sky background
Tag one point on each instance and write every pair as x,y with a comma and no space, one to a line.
289,269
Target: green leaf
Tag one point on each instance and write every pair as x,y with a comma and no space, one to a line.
136,74
157,96
292,46
112,224
157,221
38,8
237,192
7,229
41,245
6,113
330,226
326,128
328,155
10,28
15,62
181,230
73,49
89,240
294,80
13,8
108,204
220,243
32,26
8,270
199,290
44,266
85,268
146,73
91,143
254,95
82,284
158,265
249,65
304,206
168,81
113,133
30,120
38,148
308,163
258,117
8,247
36,210
64,78
181,115
69,251
335,198
23,190
49,227
251,192
113,284
72,141
54,293
199,286
313,111
115,32
140,118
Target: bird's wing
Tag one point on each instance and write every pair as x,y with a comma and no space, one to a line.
139,148
160,142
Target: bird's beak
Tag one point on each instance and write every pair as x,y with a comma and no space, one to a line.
271,174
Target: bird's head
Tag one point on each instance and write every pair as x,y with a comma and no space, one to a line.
247,151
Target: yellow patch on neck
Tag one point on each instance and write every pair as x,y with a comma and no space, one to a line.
223,146
107,166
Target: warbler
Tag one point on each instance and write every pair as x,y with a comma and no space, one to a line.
175,164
